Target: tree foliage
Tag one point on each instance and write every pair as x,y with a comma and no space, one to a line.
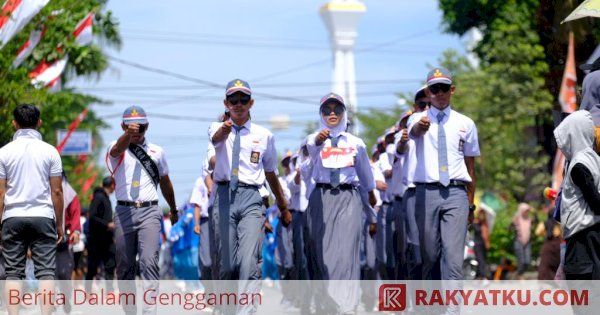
59,19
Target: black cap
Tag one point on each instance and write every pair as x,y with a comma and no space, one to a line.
591,66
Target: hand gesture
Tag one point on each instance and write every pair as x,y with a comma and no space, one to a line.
286,217
404,137
322,136
197,229
74,238
372,229
59,234
226,126
174,217
268,227
424,123
132,129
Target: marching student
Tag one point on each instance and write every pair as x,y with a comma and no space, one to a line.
446,143
339,165
404,192
139,169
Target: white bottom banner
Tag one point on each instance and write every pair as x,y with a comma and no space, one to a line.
302,297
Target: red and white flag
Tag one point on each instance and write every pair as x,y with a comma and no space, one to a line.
567,96
83,31
27,48
15,15
568,103
48,75
45,74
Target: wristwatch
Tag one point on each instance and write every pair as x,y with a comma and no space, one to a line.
472,208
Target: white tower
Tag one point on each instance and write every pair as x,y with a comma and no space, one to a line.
341,18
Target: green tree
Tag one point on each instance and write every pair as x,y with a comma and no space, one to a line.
59,19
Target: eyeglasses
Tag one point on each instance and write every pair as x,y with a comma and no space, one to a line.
436,88
337,110
143,128
243,100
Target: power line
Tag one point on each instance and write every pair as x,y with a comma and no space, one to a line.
200,81
318,62
258,85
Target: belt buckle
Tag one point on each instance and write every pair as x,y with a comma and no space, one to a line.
137,204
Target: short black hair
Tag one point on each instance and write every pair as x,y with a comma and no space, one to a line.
107,181
26,115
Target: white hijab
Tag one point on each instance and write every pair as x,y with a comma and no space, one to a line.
340,128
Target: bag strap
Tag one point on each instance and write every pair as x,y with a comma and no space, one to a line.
146,161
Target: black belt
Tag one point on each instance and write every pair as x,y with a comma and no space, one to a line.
398,198
137,204
438,184
386,203
340,186
240,184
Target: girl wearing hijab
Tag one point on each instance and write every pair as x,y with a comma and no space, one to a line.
339,163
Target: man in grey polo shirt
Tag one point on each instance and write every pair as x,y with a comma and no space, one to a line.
31,201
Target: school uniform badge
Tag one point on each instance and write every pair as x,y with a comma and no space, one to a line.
254,157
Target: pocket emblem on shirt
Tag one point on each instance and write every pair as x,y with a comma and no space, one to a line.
461,145
254,157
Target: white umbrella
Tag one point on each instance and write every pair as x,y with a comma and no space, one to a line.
587,8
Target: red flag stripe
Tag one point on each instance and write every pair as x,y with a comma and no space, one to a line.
72,128
9,7
85,23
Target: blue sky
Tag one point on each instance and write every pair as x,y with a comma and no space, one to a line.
280,47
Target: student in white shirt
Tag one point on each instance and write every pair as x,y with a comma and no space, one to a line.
444,178
246,157
404,192
139,168
339,165
31,202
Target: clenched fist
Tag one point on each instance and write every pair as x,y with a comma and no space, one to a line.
322,136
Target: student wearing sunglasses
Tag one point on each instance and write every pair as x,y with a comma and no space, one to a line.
333,216
245,157
446,144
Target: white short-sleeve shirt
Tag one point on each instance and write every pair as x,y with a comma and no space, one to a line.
461,142
199,196
27,163
132,182
257,154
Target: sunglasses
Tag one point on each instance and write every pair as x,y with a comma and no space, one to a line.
422,104
337,110
242,100
436,88
143,128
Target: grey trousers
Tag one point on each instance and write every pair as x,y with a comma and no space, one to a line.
238,220
238,225
441,214
400,239
204,251
413,249
137,233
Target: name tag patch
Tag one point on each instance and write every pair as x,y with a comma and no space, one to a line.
337,157
254,157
